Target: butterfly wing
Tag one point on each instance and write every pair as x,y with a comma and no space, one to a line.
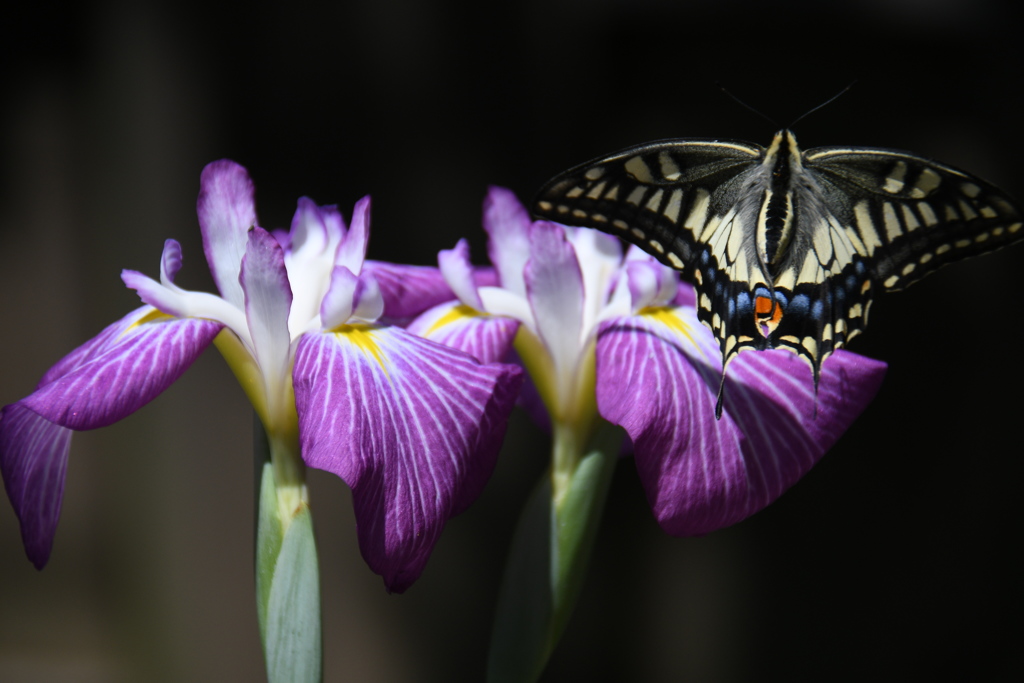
689,203
858,221
909,214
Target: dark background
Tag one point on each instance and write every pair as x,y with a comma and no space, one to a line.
891,559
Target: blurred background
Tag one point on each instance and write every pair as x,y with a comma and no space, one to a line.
891,558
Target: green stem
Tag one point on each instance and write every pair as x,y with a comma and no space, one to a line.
287,577
550,554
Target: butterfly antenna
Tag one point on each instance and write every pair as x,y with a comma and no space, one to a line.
826,102
745,105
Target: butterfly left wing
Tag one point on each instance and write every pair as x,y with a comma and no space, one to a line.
689,203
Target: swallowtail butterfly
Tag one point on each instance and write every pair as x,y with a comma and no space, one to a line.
786,248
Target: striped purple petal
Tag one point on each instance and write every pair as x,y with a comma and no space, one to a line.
120,370
408,290
33,461
657,377
227,209
412,427
486,338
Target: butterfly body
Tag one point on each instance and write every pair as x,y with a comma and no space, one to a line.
786,248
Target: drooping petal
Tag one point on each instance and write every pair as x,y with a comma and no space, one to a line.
657,376
554,288
120,370
408,290
458,273
412,427
486,338
352,250
227,209
508,226
33,461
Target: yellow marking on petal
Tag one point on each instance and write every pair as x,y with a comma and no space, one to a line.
361,336
457,313
669,319
156,315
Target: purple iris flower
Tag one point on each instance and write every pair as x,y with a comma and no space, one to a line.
616,335
412,426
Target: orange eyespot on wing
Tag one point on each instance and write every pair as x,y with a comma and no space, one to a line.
767,314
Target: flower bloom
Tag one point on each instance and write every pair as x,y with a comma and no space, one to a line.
413,427
617,335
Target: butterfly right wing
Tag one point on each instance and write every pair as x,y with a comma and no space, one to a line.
913,215
692,204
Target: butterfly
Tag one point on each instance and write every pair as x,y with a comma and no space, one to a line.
785,248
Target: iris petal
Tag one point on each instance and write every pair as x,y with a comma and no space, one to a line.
227,209
33,460
408,290
411,426
352,250
486,338
508,226
268,299
657,376
120,370
554,287
458,273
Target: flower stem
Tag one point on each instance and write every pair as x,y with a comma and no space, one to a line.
287,577
549,556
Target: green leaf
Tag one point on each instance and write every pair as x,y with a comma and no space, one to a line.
269,535
292,644
547,566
